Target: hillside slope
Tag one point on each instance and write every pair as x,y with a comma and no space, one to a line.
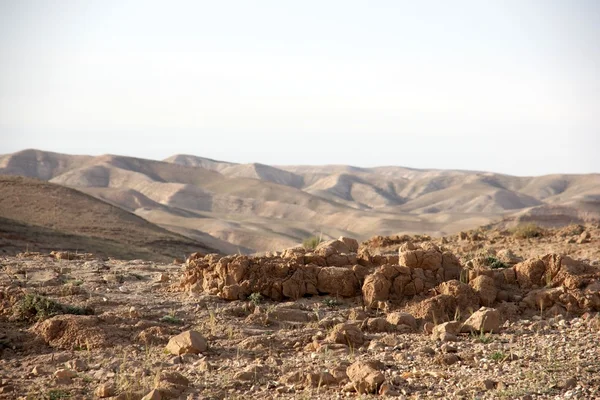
40,215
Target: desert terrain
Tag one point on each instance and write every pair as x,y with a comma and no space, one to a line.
248,208
488,313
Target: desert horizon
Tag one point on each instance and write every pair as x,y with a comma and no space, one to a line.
256,208
214,200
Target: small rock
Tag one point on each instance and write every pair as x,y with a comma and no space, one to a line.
366,376
187,342
204,365
569,383
447,330
170,384
387,389
448,348
447,359
153,395
320,379
487,384
347,334
105,390
77,365
64,374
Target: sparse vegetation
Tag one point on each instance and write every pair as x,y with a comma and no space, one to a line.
311,243
484,338
34,307
498,356
331,302
171,319
256,298
527,231
57,394
494,263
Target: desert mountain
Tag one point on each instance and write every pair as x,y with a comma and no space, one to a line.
41,216
256,207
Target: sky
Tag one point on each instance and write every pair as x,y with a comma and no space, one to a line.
507,86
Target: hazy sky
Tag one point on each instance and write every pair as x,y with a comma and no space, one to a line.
505,86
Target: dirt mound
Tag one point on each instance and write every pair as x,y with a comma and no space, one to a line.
73,332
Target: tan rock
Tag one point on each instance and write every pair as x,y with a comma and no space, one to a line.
464,295
377,325
485,288
347,334
64,375
447,359
187,342
584,237
337,281
352,244
105,390
483,320
402,318
320,379
77,365
530,273
170,384
441,331
366,376
376,289
153,395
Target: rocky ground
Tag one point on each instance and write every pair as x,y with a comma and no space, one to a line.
484,314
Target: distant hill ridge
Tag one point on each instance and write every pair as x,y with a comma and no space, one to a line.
257,207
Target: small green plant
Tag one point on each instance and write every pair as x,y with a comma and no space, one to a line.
483,337
527,231
34,307
256,298
331,303
171,319
494,263
498,356
311,243
57,394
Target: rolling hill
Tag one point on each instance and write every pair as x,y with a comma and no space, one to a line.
256,207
